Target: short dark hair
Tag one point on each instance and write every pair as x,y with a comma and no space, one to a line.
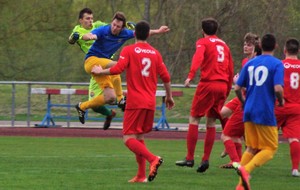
210,26
142,29
268,42
83,11
121,17
257,49
292,46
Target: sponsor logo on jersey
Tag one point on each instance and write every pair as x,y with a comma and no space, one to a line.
292,66
140,50
216,40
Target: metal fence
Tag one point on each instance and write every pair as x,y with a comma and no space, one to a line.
32,84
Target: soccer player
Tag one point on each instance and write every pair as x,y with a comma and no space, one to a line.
87,25
216,66
108,39
288,117
263,79
233,131
143,65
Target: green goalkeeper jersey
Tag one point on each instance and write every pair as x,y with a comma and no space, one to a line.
94,89
85,45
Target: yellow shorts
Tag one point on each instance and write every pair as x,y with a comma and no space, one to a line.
103,81
261,136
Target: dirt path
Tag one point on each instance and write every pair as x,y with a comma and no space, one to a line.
94,133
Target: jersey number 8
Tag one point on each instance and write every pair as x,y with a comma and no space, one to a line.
294,80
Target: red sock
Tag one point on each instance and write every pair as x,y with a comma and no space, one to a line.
239,151
140,149
191,139
231,151
141,164
223,122
209,142
295,154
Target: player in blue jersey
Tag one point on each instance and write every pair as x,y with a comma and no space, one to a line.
108,39
86,25
263,79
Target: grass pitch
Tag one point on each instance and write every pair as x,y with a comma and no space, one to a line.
88,163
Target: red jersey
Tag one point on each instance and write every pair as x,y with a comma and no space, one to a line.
244,61
143,65
292,84
214,59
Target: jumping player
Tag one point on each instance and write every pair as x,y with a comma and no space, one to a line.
108,39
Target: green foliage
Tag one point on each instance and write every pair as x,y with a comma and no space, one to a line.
102,163
34,33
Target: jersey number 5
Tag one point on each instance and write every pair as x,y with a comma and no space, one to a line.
145,70
221,54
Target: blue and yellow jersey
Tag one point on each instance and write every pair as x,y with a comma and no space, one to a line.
107,43
259,76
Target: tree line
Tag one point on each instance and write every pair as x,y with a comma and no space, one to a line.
34,33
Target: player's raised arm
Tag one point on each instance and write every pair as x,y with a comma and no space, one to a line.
161,30
89,36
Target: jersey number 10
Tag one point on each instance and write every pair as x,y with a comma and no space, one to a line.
259,74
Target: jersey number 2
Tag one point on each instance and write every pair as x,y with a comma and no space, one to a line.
145,70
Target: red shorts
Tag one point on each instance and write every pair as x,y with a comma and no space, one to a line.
138,121
235,125
289,124
209,99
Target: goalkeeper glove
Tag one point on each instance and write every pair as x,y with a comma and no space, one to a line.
74,37
130,25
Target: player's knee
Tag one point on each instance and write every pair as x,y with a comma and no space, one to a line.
251,150
225,137
111,100
293,140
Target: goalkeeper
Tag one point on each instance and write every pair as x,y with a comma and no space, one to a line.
87,25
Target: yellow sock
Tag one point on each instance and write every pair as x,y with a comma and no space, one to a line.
116,80
93,103
260,159
247,156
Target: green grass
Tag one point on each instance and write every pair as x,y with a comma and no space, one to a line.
101,163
